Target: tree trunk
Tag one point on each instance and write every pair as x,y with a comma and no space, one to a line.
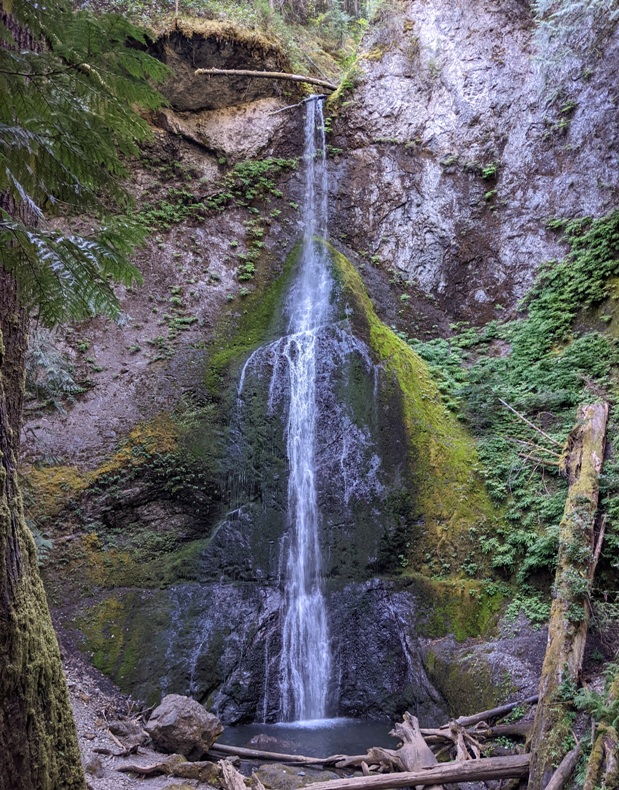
569,616
603,764
38,742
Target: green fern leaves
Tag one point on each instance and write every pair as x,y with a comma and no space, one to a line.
72,86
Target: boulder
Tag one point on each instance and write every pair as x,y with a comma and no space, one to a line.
277,776
181,725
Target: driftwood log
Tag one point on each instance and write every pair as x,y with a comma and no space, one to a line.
516,766
569,615
230,777
566,768
271,75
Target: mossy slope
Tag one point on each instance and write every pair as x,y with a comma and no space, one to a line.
449,495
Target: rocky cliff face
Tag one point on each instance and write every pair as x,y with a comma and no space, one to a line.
470,127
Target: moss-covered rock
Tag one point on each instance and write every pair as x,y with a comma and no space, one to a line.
449,496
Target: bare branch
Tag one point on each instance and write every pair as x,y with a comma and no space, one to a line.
529,423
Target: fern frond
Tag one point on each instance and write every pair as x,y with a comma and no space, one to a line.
67,116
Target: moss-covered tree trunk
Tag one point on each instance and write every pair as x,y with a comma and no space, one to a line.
603,765
569,616
38,741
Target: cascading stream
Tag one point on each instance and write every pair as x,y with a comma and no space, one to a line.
305,666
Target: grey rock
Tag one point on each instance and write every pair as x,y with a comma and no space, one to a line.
277,776
183,726
447,88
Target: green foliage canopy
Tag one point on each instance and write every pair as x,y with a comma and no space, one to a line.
72,85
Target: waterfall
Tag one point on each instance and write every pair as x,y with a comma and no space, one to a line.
329,454
305,659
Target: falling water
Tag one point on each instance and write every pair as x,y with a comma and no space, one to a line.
305,659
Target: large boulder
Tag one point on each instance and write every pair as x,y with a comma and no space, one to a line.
181,725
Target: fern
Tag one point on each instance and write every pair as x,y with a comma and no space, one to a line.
49,375
68,120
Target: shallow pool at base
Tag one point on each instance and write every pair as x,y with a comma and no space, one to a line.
316,738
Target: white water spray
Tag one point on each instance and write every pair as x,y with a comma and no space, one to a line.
305,666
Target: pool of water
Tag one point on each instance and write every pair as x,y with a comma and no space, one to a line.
317,738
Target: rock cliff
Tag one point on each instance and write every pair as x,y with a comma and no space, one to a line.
471,124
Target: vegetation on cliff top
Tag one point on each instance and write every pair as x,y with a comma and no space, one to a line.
315,37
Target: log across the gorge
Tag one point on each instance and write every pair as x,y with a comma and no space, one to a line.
271,75
579,548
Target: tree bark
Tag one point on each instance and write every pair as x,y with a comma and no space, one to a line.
271,75
569,616
603,764
442,773
38,742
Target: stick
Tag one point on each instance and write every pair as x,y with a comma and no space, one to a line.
532,444
528,422
467,771
271,75
298,104
256,754
539,461
145,770
231,779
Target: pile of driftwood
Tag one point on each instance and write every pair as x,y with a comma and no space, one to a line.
416,761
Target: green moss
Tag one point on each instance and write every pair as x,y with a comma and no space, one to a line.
463,608
117,630
467,682
450,496
256,324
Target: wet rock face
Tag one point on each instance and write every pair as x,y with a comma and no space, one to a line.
469,130
474,676
220,643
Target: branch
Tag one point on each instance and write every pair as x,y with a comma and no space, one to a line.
529,423
298,104
535,446
270,75
493,713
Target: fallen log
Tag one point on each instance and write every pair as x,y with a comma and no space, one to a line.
271,75
570,611
493,713
256,754
414,754
566,768
516,766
